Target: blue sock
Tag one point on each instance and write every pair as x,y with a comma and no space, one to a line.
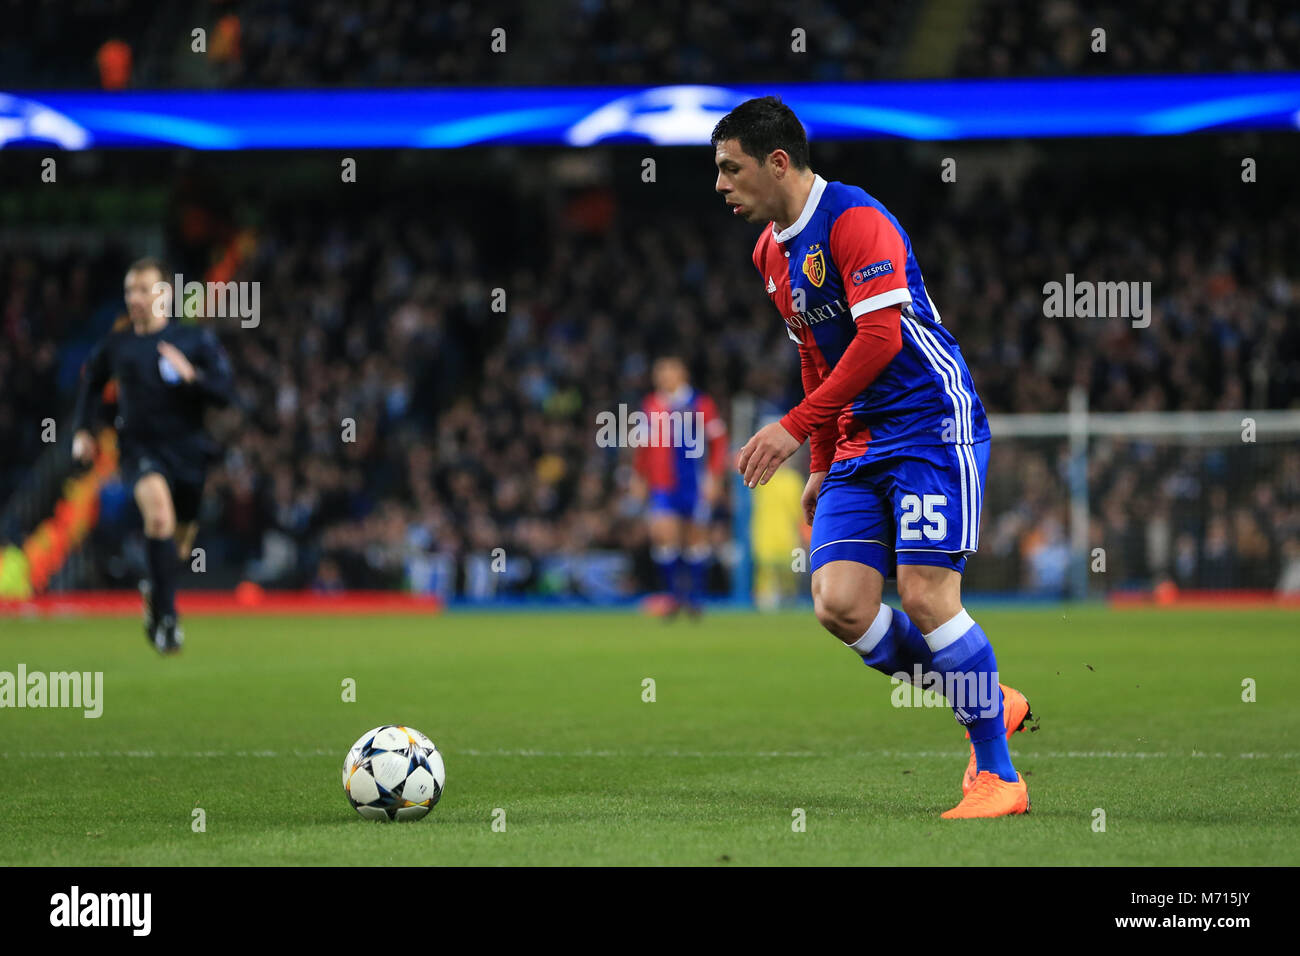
697,563
964,656
666,561
893,645
992,753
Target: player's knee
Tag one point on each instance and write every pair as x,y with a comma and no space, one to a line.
666,534
843,611
159,526
925,605
159,518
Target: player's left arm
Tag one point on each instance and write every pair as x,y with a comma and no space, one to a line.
868,253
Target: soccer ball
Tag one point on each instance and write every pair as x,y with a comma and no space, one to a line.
393,773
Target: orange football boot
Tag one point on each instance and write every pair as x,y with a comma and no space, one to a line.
991,796
1015,711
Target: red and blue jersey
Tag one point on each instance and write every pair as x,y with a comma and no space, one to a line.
678,467
880,371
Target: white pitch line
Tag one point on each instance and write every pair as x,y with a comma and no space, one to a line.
651,755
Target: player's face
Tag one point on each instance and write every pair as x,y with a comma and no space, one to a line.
139,292
669,376
745,184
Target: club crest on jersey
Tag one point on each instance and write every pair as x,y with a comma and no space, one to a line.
814,266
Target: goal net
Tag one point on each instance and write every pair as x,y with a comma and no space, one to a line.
1082,505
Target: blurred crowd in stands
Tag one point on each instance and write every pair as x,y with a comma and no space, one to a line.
472,429
391,424
1199,515
1056,37
118,44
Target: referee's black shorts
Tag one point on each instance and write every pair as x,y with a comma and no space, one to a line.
184,474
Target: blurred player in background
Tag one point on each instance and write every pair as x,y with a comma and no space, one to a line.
167,375
899,439
776,529
681,471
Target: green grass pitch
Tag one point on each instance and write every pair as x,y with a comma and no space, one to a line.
541,716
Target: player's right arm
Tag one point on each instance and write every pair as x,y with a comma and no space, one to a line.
94,376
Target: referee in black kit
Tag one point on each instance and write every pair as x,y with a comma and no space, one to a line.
167,374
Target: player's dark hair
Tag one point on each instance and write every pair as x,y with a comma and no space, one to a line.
762,125
151,262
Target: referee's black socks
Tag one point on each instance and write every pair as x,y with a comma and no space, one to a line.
161,555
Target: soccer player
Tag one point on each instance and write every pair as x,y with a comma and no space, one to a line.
776,529
167,375
682,467
899,442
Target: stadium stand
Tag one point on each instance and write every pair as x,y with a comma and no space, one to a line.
475,429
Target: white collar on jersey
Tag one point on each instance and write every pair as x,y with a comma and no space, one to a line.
810,207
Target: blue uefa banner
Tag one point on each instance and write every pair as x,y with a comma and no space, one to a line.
665,115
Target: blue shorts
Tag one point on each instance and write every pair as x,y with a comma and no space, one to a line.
687,505
918,506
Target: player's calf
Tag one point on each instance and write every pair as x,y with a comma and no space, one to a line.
153,496
964,657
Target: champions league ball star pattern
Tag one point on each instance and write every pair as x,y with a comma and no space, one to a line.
393,773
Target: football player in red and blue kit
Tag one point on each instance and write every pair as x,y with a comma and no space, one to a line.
898,437
682,474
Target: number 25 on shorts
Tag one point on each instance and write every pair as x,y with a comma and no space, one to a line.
914,508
